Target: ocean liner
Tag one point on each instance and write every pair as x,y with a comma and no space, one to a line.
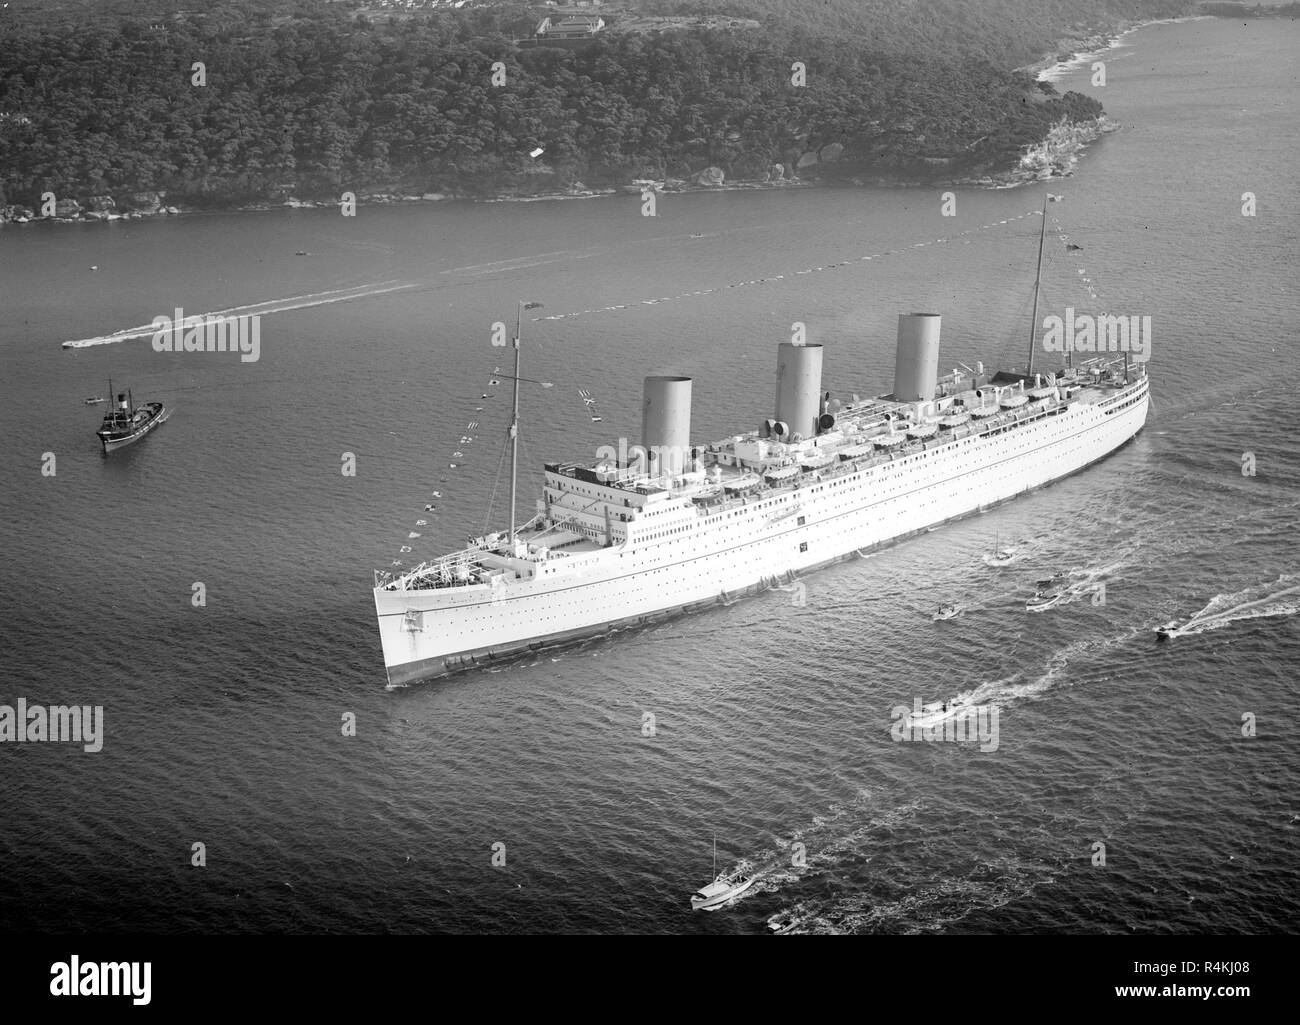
682,526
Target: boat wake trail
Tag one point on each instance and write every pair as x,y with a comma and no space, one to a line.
1022,686
834,846
262,309
1087,583
929,906
830,843
1279,598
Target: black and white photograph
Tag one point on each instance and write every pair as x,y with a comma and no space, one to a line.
712,468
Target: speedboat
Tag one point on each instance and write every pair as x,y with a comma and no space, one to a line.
721,890
947,612
1049,593
937,712
1168,631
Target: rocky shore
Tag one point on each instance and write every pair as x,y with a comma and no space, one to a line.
126,206
1069,51
138,205
1055,156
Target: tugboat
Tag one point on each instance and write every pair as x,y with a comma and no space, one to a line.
128,422
722,889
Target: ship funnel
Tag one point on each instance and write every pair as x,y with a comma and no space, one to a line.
798,390
916,360
121,400
666,425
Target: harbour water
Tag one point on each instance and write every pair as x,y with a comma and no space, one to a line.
772,715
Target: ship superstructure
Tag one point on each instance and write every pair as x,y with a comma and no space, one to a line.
629,540
126,423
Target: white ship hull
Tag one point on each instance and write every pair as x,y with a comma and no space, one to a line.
433,631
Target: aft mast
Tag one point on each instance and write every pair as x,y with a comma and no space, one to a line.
514,429
1038,281
514,420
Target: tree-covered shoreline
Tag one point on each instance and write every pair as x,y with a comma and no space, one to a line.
312,100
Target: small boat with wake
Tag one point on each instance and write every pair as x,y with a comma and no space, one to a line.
949,611
1167,631
127,423
724,887
937,712
1000,556
782,927
1049,593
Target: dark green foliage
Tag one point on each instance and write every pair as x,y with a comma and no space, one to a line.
310,99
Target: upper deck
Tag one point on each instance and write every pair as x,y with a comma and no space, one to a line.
866,433
586,509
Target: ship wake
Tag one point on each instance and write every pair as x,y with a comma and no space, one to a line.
265,308
1279,598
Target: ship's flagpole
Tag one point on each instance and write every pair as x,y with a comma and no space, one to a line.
1038,281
